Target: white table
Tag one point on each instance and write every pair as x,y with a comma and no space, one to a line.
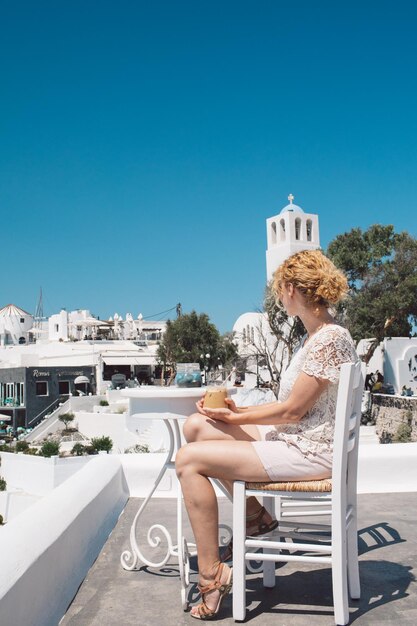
170,404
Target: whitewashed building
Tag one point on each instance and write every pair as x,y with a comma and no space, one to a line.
288,232
15,325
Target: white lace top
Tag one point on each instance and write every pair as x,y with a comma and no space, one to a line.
321,356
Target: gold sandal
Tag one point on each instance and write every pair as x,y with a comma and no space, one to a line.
203,611
254,528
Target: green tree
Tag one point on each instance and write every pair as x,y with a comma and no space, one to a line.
190,336
381,266
66,419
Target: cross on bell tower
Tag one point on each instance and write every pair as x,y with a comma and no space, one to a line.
290,231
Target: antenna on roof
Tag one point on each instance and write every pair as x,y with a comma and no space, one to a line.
38,317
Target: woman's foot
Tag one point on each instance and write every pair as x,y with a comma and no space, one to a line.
260,523
257,524
213,590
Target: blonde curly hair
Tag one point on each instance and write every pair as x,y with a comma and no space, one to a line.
314,275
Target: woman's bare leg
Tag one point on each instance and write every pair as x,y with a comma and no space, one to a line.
225,460
200,428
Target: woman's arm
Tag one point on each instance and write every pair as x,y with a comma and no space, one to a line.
304,394
232,406
244,409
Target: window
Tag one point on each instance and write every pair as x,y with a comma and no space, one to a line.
22,320
20,388
63,388
9,393
56,328
297,228
41,388
309,230
282,230
274,232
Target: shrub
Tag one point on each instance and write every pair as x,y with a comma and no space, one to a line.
103,403
78,449
4,447
3,484
102,443
137,448
1,520
31,451
49,448
22,446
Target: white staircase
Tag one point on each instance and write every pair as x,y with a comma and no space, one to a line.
49,424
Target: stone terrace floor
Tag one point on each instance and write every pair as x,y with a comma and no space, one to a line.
388,557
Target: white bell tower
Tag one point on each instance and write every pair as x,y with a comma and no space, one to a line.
288,232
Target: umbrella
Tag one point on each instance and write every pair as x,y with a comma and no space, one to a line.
92,321
81,379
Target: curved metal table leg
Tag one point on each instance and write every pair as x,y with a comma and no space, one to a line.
129,558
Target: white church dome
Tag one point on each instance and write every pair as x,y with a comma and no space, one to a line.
294,208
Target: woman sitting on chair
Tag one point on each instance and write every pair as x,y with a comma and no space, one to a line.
290,439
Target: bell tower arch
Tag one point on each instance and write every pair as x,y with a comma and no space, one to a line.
288,232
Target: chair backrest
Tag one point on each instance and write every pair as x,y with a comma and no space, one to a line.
346,432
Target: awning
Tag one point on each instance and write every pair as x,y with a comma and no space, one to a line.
81,379
5,418
129,360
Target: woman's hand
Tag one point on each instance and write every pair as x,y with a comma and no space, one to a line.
222,415
230,409
200,405
231,405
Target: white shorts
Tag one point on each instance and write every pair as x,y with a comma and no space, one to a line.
283,461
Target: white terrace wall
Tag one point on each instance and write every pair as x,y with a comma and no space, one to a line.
111,425
38,475
396,358
48,549
400,362
12,503
387,468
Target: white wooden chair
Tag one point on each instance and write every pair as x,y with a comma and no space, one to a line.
333,543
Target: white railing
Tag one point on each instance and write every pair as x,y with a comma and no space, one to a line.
47,424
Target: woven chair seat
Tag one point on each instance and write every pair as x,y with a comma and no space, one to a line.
319,486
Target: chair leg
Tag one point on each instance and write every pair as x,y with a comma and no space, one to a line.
352,561
239,563
339,574
269,566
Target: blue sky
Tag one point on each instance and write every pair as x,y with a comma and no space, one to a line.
144,144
